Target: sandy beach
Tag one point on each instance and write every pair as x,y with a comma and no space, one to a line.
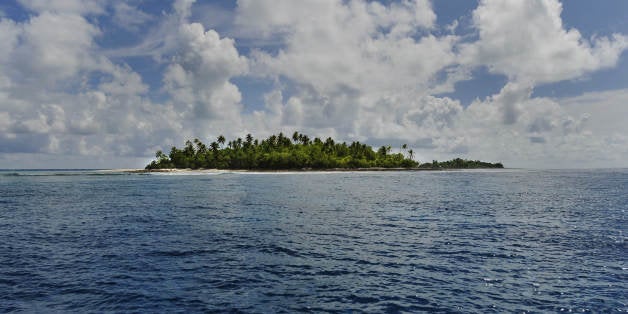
214,171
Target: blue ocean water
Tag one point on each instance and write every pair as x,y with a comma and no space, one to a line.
346,242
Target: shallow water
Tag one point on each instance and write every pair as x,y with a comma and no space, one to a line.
468,241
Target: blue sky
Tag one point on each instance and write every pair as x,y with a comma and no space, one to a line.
101,84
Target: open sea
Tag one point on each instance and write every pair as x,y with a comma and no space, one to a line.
480,241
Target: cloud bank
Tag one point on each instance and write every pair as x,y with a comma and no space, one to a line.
355,70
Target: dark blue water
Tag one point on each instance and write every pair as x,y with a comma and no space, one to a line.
483,241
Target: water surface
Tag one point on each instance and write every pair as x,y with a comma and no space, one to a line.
460,241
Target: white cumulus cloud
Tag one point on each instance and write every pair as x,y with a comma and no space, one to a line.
65,6
354,70
526,40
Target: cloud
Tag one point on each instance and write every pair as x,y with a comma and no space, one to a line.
356,67
604,112
198,81
526,40
160,40
537,139
60,95
353,70
348,46
267,18
366,82
54,47
183,9
130,17
9,32
582,131
510,101
65,6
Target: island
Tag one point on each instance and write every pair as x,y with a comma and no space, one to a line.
299,152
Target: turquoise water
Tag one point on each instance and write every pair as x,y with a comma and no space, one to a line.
460,241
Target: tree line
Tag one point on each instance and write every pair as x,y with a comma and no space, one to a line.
278,152
459,163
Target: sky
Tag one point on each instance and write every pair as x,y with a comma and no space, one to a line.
104,83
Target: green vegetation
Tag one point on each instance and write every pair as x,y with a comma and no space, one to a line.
460,164
279,152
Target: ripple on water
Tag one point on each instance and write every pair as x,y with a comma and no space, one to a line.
512,241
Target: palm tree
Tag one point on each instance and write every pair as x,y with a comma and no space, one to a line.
304,139
189,148
280,138
329,141
272,141
200,147
279,152
382,151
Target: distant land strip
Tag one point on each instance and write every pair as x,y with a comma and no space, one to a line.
298,152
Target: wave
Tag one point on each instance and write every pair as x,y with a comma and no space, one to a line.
48,173
177,172
10,174
188,172
292,172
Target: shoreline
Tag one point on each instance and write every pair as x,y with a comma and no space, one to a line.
373,169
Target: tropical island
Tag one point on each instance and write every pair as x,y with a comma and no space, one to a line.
299,152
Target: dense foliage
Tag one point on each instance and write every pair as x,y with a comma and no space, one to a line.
281,152
298,152
460,164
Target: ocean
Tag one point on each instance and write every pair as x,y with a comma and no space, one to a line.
477,241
